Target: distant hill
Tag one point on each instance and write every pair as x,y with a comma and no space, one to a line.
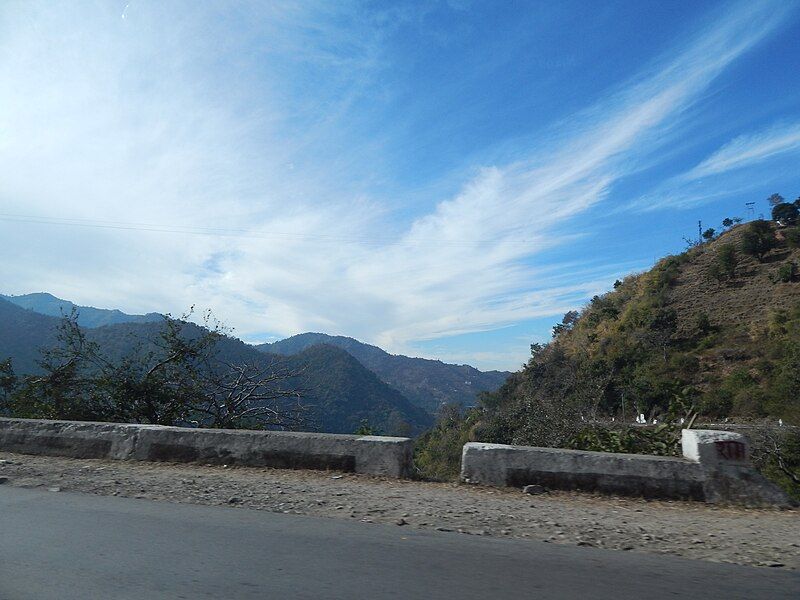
47,304
339,390
346,393
427,383
22,333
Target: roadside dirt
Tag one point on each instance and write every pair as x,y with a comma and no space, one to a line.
758,537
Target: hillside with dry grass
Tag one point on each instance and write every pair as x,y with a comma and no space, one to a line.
741,304
710,334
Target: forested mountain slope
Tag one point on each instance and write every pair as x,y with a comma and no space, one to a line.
428,384
22,334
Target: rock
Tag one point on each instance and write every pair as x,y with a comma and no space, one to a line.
585,543
54,489
443,529
337,476
3,480
234,500
401,521
534,489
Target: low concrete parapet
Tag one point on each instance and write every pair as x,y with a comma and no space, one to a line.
375,455
729,477
715,468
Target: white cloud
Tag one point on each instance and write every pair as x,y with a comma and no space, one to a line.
167,118
747,150
724,172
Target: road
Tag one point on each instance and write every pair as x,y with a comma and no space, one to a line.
74,546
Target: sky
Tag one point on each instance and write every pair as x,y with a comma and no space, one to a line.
442,179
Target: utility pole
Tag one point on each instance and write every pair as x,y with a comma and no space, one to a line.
699,231
750,209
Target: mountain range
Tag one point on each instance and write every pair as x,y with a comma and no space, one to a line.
347,382
427,383
88,316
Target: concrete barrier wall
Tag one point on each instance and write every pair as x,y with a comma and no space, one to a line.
715,468
375,455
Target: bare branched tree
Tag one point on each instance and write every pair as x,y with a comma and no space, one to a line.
248,395
172,378
779,449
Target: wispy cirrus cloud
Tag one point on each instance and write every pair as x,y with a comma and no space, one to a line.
746,150
724,172
240,155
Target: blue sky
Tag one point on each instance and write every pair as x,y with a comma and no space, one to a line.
443,179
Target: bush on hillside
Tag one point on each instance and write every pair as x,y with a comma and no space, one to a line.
792,237
787,273
725,262
437,453
758,239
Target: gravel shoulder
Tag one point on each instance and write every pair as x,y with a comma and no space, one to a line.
757,537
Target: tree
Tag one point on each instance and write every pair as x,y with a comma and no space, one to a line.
174,379
785,213
663,325
724,266
727,222
8,382
792,237
567,323
775,199
248,396
65,388
159,384
758,240
708,234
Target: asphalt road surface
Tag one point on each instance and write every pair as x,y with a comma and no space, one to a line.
71,546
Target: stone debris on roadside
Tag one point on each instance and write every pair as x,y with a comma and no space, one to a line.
757,537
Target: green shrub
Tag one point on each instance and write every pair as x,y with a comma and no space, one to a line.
437,452
786,273
725,262
703,324
364,428
758,240
792,237
661,440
